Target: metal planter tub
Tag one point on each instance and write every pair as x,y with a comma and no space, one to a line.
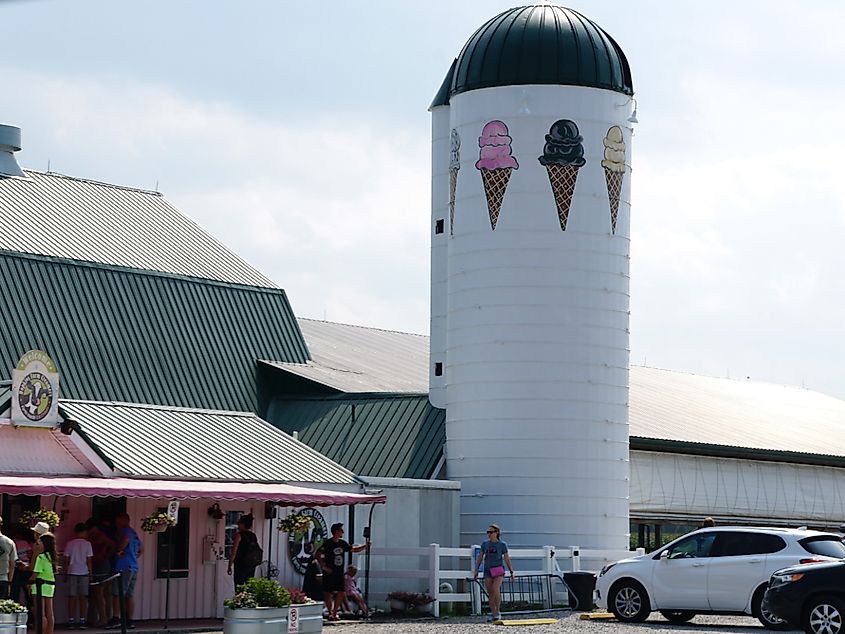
13,623
271,620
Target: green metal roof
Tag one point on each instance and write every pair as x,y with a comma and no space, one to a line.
130,335
5,397
146,441
538,44
377,435
134,228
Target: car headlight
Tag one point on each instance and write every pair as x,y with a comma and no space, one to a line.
780,580
606,568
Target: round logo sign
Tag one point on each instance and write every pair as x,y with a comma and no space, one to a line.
302,545
35,396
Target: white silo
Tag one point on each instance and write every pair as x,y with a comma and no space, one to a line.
531,163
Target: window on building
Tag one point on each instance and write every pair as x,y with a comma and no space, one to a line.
177,539
16,505
438,369
231,530
439,226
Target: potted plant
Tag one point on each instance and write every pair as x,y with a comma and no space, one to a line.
157,523
12,617
48,516
262,606
418,602
295,523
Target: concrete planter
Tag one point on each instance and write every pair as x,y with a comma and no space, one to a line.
13,623
271,620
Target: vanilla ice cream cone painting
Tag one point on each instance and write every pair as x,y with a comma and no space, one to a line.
454,166
495,163
563,156
614,170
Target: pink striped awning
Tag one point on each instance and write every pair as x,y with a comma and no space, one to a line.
282,494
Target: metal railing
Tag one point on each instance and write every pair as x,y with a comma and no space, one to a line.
526,594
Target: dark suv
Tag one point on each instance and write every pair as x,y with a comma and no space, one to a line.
810,597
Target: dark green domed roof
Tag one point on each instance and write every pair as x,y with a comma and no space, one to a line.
538,44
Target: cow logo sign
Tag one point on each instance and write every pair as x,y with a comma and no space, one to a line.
35,385
303,545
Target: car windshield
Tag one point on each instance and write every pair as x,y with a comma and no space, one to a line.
825,545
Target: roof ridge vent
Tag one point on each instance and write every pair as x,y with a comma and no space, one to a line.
10,142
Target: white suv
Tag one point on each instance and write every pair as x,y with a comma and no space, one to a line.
721,570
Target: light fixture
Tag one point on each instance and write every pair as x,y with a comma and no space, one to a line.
633,117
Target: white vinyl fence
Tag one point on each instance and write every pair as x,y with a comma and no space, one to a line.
441,572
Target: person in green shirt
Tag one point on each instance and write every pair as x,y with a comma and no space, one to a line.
43,566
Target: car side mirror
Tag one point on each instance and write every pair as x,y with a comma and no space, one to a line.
664,555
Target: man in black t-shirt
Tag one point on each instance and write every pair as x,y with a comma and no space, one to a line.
332,558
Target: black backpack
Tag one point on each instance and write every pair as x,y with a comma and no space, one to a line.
253,555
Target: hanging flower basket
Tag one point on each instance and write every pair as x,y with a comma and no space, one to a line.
49,517
295,523
157,523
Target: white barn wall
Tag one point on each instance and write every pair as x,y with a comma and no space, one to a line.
667,484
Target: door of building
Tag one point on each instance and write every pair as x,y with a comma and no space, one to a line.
227,528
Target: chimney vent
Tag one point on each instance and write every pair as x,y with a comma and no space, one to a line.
10,142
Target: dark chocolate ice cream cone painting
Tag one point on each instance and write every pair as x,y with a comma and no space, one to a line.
563,156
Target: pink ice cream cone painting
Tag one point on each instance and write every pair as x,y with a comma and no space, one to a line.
563,156
614,170
454,166
495,163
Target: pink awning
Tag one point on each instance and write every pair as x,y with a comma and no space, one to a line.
283,494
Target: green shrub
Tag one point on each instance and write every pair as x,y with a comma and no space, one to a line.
266,593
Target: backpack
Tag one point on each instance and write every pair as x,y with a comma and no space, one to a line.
253,555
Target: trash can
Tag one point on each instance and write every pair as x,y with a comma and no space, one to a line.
581,586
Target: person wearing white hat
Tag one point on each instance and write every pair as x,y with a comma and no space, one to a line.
40,528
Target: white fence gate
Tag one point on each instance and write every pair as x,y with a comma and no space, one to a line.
439,571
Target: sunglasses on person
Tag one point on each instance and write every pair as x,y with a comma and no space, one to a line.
491,532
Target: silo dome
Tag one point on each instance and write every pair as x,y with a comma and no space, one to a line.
538,44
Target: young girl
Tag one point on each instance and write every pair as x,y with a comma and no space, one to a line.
43,565
353,592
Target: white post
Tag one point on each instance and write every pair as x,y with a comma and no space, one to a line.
434,576
475,591
576,558
640,552
548,569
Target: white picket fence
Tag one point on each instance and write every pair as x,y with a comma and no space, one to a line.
424,569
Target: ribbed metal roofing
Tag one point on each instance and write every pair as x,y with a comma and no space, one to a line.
166,443
669,410
5,397
85,220
390,436
678,407
538,44
120,334
358,359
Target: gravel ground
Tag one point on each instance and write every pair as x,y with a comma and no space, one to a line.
568,622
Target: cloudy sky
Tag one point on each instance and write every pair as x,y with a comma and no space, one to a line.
298,134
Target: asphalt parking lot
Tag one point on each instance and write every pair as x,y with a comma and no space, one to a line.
568,622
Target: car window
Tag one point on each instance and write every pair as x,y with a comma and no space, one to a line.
693,546
826,545
730,544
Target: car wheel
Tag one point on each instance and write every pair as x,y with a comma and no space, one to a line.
824,615
769,620
677,616
628,601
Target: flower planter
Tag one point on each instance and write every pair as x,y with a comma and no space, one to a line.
271,620
13,623
160,528
425,608
397,605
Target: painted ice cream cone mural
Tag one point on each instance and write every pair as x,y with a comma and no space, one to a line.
563,156
454,166
614,170
495,162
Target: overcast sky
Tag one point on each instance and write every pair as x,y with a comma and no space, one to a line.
298,134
